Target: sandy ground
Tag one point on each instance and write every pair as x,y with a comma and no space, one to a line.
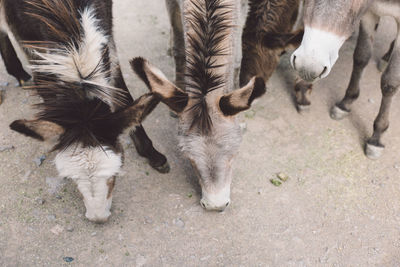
338,208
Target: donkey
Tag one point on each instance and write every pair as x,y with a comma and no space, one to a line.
268,32
86,104
327,25
203,95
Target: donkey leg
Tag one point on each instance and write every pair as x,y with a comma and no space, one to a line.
302,90
361,57
390,84
11,61
384,61
141,140
145,148
178,49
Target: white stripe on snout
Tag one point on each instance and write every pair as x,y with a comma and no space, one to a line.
91,168
318,50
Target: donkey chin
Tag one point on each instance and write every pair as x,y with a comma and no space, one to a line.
98,211
216,201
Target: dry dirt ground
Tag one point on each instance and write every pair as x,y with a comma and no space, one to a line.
338,208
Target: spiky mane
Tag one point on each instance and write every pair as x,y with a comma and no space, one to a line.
71,68
209,23
269,16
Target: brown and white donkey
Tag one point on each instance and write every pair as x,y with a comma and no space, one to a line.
327,26
203,96
86,104
272,26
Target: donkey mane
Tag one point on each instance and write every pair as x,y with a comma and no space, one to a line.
210,23
72,73
268,16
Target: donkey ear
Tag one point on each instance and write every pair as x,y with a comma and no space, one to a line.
241,99
156,81
282,40
39,129
139,110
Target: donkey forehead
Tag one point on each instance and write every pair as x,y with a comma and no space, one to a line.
223,140
83,162
335,16
332,10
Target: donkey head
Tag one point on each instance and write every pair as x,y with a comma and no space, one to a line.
85,133
209,134
327,26
261,52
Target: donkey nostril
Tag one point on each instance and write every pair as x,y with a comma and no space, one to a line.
294,62
227,204
323,72
202,204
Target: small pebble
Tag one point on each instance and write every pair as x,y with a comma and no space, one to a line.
6,148
58,197
178,222
93,234
243,126
205,258
26,176
397,166
40,201
67,211
282,176
250,114
275,182
70,229
370,100
57,229
4,84
51,217
140,260
148,220
39,161
68,259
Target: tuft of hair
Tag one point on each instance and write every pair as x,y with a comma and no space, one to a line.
268,18
72,74
76,48
210,22
88,121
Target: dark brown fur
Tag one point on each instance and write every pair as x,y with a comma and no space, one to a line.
266,36
42,24
111,185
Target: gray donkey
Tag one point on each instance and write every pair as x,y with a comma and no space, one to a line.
203,95
327,26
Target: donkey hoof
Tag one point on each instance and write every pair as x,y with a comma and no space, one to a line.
338,113
303,108
382,64
164,168
374,151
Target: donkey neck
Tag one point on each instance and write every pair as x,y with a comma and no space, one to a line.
224,62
